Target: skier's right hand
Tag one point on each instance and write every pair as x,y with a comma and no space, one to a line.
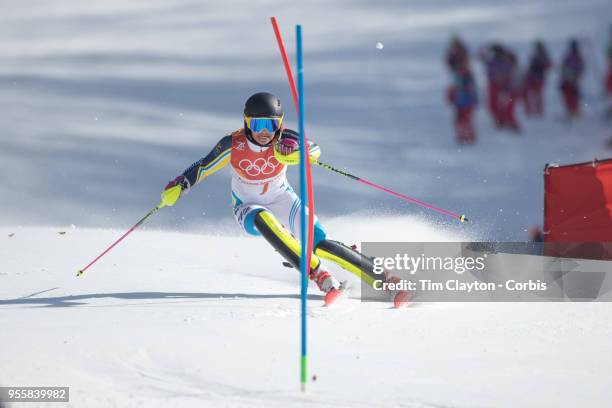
287,146
173,190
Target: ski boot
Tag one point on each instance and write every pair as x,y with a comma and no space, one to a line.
401,298
327,284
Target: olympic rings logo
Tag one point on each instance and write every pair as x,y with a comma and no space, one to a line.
259,166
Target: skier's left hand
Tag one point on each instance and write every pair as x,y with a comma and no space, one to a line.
287,146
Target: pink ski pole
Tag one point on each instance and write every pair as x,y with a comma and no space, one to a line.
461,217
81,271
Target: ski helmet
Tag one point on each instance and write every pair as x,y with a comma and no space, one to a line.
263,105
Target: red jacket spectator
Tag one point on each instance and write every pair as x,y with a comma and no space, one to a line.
493,58
609,75
463,97
534,80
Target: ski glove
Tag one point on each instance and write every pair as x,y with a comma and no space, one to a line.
174,190
287,146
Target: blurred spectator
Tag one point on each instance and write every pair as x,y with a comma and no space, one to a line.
609,59
536,241
492,56
457,55
509,91
463,97
503,84
462,93
535,234
608,84
535,77
572,68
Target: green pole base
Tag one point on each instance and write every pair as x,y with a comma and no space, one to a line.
303,372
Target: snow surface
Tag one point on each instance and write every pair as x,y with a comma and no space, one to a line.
175,319
104,102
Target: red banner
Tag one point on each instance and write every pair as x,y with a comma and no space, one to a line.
578,210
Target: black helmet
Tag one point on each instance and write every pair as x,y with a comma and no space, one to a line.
262,105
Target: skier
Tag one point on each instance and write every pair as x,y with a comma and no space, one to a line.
572,68
263,201
534,80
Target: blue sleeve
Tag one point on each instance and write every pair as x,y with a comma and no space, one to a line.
218,158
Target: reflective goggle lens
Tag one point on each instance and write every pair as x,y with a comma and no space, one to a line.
259,124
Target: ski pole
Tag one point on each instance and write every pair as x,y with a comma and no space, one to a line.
461,217
150,213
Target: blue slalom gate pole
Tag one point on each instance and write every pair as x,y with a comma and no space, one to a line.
304,267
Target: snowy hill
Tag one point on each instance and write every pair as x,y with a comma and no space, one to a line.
164,320
104,102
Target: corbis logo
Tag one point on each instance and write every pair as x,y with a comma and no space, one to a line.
259,166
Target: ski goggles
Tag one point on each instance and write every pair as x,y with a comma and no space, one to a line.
259,124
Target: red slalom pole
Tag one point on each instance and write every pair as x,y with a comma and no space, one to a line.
81,271
294,94
281,47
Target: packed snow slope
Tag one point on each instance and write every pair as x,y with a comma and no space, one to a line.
191,320
103,103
